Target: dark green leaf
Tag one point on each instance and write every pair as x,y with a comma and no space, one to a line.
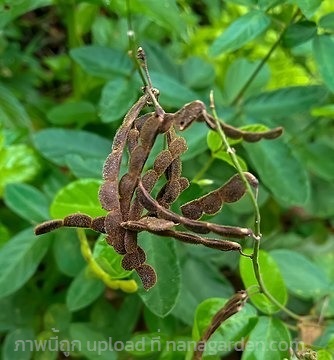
272,279
56,144
161,254
299,32
321,202
197,73
327,21
323,50
27,202
79,112
274,338
57,316
66,250
17,344
19,259
302,277
280,171
117,97
83,167
102,61
84,289
240,32
78,196
285,101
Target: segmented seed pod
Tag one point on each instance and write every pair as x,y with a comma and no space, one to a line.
48,226
147,275
134,260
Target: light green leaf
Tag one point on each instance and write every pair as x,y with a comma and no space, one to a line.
326,110
78,112
117,97
285,101
102,61
272,279
84,289
321,202
323,51
67,253
27,202
19,259
83,167
308,7
56,144
16,344
197,73
161,254
86,337
240,32
78,196
302,277
280,171
274,338
109,260
57,316
327,21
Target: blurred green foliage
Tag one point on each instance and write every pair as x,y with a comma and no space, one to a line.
66,81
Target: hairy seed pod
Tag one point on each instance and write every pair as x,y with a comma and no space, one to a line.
178,146
130,240
134,260
137,158
149,131
162,161
147,275
110,168
149,179
188,114
108,195
78,220
171,192
148,223
132,140
274,133
98,224
48,226
184,183
234,189
191,210
115,232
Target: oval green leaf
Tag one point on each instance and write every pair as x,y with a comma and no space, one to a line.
240,32
161,254
19,259
78,196
302,277
78,112
280,171
15,345
272,279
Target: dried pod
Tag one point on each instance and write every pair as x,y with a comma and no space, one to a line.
110,168
132,140
147,275
171,192
184,183
137,158
149,179
48,226
188,114
78,220
108,195
149,131
162,161
148,223
191,210
234,189
178,146
134,260
114,230
98,224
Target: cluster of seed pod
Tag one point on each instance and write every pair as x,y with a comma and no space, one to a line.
128,201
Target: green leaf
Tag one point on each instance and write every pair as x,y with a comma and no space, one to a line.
302,277
12,112
161,254
84,289
299,32
270,338
57,316
272,279
231,331
18,163
240,32
17,344
91,343
19,259
109,260
173,92
285,101
326,110
280,171
78,112
197,73
78,196
268,4
327,21
212,284
117,97
146,344
56,144
83,167
27,202
308,7
102,61
321,202
323,51
67,253
238,73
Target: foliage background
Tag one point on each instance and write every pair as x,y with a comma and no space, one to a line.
66,83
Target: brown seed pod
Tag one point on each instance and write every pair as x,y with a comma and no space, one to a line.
98,224
138,157
130,241
188,114
132,139
134,260
115,232
178,146
147,275
148,223
48,226
78,220
162,161
108,195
